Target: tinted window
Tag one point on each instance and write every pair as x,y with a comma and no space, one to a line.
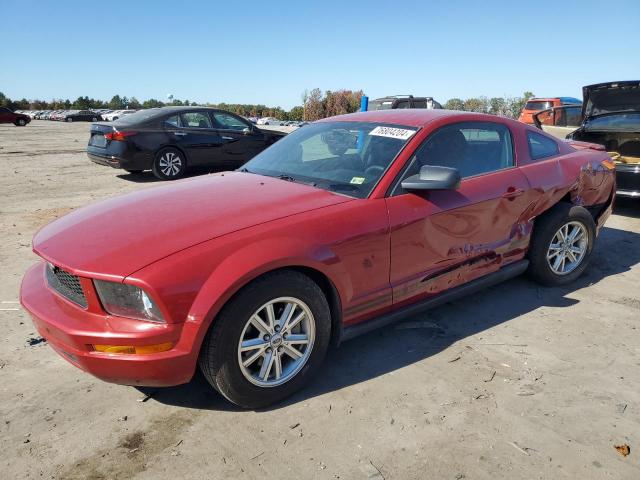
195,120
380,105
541,146
536,105
419,104
403,104
473,148
231,122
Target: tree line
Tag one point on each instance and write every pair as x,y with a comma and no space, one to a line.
315,105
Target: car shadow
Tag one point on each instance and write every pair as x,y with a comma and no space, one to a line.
629,207
394,347
148,177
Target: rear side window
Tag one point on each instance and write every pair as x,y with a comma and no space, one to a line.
195,120
541,146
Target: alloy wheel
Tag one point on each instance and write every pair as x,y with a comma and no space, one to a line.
567,248
276,342
170,164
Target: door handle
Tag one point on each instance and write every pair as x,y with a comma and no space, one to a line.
179,134
228,138
512,193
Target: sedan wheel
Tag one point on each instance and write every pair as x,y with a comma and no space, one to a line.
69,119
21,122
169,164
276,342
567,248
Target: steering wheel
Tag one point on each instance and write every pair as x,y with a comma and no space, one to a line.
374,170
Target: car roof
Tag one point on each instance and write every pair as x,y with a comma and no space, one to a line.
412,117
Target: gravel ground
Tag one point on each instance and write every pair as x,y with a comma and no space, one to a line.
514,382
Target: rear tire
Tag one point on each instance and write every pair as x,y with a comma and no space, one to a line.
561,245
94,119
169,164
234,364
20,122
69,119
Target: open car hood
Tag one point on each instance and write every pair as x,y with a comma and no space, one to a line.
610,97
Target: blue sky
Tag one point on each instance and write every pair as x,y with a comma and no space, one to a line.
271,51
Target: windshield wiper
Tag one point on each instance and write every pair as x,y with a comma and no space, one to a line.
344,186
244,170
286,177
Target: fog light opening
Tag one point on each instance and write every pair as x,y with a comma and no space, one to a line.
133,349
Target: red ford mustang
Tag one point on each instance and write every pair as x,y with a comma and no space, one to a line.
343,226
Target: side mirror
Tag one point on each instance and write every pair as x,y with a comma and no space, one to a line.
246,131
432,177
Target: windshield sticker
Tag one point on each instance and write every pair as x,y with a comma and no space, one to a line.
357,180
391,132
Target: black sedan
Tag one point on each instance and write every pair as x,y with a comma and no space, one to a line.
168,140
80,116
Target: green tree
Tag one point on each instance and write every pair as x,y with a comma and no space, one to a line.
296,113
116,103
454,104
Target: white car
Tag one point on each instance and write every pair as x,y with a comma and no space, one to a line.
116,114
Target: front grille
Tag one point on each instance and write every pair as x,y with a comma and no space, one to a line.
66,284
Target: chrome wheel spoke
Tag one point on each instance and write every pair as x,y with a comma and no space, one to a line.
253,344
278,364
257,322
265,370
292,352
297,339
250,360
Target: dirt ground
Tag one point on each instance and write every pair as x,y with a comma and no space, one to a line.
517,382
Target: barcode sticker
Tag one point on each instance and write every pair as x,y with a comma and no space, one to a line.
392,132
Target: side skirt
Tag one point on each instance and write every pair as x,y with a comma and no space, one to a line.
505,273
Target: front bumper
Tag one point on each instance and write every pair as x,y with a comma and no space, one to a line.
71,330
628,179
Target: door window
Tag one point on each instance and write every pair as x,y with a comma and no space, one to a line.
403,104
173,122
229,122
195,120
541,146
473,148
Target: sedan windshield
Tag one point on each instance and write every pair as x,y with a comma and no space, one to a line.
344,157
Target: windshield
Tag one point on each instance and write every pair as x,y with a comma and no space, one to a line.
344,157
380,105
537,105
629,122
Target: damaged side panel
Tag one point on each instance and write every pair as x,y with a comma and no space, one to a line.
447,238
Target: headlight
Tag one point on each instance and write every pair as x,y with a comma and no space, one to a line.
127,301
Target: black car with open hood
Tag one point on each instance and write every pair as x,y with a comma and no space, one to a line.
611,117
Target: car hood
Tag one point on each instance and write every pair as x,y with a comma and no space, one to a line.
119,236
611,97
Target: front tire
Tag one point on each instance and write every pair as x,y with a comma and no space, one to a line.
562,243
69,119
21,122
169,164
268,341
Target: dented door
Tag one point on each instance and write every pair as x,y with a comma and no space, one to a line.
445,238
